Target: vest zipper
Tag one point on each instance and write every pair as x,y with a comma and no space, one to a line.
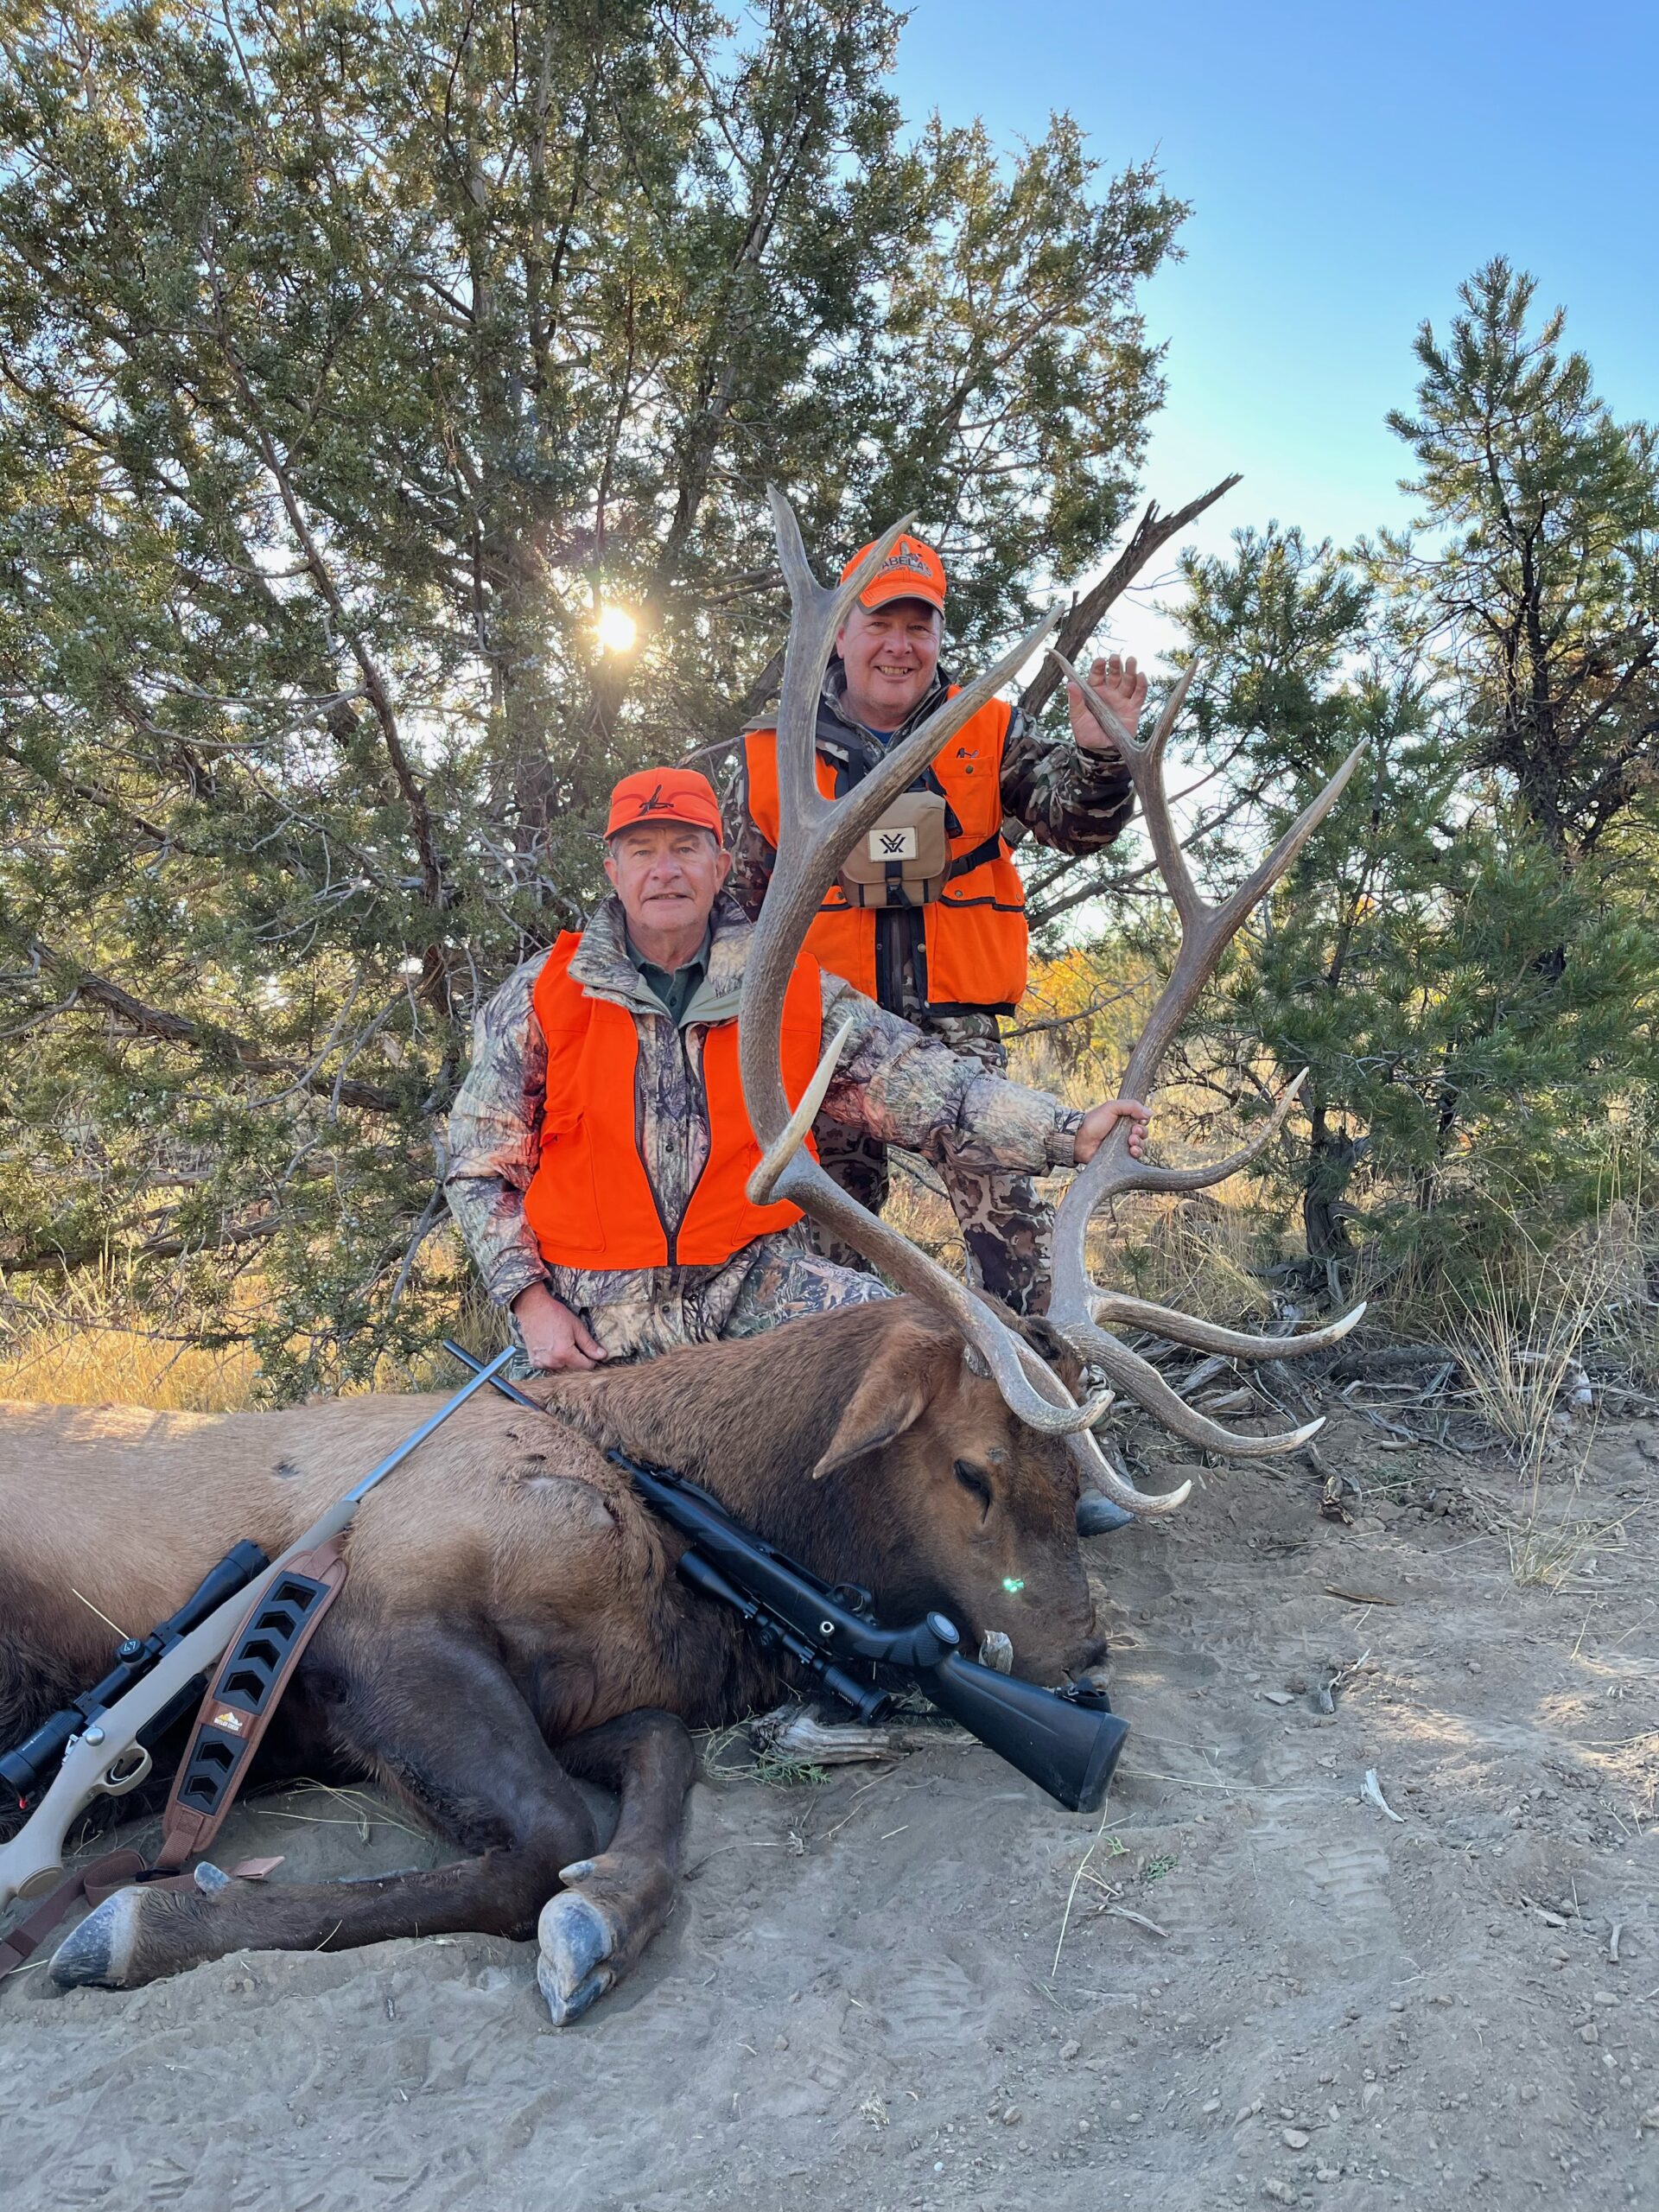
698,1093
670,1235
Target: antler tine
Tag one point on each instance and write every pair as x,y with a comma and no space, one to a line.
816,612
1257,886
1123,1172
1139,1379
1118,1308
814,835
1098,1473
1096,1470
1145,762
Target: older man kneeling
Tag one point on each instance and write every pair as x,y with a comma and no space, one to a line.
600,1145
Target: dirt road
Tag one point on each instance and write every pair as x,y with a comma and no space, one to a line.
922,1986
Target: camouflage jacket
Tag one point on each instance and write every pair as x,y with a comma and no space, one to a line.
1065,798
893,1084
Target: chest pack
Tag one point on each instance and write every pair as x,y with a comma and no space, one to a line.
905,859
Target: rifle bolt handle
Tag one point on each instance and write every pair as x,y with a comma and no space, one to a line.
93,1736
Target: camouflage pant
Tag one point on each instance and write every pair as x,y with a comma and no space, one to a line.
1005,1224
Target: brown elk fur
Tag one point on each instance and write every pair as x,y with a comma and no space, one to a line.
508,1592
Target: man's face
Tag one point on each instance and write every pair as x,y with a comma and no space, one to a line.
667,875
890,653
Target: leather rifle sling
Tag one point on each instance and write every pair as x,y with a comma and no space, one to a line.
241,1699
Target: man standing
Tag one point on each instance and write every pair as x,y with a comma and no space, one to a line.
600,1145
938,934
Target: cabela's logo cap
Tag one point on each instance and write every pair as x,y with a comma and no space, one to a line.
664,795
911,570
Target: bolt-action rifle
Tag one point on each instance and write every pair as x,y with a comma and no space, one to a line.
100,1746
1065,1741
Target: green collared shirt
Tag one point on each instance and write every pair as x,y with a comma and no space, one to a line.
675,987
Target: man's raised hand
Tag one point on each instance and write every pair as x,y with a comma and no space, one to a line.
1122,690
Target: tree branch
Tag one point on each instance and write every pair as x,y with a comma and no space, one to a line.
206,1037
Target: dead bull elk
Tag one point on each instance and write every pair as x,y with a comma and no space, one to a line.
511,1598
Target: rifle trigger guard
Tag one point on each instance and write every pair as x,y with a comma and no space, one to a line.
119,1779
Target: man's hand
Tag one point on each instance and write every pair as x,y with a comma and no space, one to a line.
1099,1122
1122,690
555,1339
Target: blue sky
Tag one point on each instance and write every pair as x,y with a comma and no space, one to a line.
1347,167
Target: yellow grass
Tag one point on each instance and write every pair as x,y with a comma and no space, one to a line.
1520,1335
89,1365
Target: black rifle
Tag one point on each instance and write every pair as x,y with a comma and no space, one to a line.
1065,1741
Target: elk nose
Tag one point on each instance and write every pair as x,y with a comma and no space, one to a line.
1099,1516
1093,1652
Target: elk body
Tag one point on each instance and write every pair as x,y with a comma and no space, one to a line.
512,1619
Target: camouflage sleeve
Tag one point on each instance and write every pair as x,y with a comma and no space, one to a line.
1064,797
495,1139
753,858
902,1088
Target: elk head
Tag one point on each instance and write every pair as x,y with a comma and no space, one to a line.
957,1505
815,836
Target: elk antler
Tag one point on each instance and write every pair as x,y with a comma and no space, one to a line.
1079,1308
814,833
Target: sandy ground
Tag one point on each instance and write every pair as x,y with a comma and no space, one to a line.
923,1986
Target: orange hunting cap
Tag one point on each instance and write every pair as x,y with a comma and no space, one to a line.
911,570
665,795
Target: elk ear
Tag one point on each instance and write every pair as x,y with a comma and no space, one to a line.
891,1396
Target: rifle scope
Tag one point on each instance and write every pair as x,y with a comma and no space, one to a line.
24,1770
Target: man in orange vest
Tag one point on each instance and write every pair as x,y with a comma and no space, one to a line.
939,933
599,1146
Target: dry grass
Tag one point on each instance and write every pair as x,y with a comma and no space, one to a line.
80,1350
79,1346
1520,1336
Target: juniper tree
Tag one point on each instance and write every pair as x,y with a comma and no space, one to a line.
350,360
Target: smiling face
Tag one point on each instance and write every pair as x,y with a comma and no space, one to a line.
890,654
667,875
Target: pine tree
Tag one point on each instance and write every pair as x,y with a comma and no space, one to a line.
1538,589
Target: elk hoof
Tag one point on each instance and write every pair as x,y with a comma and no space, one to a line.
576,1938
1099,1516
99,1953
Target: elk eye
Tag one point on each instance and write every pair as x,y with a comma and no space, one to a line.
974,1482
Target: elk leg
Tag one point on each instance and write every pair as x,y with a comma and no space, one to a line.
441,1722
612,1904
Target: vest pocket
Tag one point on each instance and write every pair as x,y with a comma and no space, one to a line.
562,1204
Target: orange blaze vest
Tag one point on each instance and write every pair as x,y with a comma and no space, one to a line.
974,937
590,1201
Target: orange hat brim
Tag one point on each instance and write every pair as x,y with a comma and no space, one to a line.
885,589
